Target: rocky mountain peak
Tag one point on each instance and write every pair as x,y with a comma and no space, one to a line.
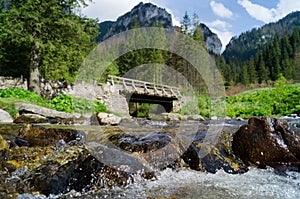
146,14
149,15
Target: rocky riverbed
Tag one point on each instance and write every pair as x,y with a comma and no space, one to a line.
48,160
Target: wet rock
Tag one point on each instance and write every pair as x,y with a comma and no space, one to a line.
81,172
5,117
141,144
30,118
108,119
37,135
3,143
52,170
211,157
159,149
267,141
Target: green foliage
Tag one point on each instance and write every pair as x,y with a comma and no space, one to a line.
60,103
44,36
281,81
274,54
19,93
204,106
267,102
8,105
190,108
143,110
70,104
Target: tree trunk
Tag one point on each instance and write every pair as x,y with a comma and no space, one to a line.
34,74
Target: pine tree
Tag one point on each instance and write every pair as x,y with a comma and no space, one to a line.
262,71
251,71
54,40
186,24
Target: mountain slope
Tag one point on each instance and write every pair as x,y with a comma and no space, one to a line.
247,44
149,15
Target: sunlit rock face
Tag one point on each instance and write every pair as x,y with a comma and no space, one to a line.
149,15
146,14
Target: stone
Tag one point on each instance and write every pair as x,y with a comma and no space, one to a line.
267,141
214,118
172,116
108,119
5,117
47,170
37,135
195,118
3,144
159,149
52,115
30,118
80,172
208,157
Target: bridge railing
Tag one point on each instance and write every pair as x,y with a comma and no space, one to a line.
142,87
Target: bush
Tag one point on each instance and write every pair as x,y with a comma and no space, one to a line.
61,103
70,104
20,93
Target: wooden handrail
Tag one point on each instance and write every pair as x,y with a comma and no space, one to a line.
157,89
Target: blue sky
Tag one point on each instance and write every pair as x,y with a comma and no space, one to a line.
227,18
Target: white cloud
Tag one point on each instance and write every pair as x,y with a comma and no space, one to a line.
220,10
108,9
221,28
111,10
267,15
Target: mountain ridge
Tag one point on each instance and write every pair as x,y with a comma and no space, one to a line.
245,45
149,15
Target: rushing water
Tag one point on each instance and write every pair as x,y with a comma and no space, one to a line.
256,183
186,183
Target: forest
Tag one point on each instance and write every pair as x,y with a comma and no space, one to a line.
51,40
280,56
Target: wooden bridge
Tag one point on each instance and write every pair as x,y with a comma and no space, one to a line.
146,92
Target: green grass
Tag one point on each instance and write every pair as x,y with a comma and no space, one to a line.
8,97
277,101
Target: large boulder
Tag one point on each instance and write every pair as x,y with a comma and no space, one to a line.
51,170
210,156
5,117
267,141
53,116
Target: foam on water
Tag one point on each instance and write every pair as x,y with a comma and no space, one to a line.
256,183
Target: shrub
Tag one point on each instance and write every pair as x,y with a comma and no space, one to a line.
71,104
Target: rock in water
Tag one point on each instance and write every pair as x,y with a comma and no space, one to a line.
31,118
267,141
3,144
108,119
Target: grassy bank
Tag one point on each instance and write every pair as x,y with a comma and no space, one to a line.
8,97
277,101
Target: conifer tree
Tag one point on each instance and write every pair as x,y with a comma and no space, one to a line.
52,39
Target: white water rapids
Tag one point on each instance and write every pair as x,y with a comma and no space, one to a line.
256,183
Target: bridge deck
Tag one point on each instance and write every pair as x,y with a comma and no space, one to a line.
145,88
